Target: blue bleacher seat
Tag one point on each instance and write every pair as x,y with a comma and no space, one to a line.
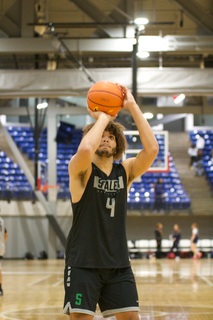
141,194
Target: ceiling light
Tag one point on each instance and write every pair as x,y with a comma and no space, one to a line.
148,115
42,105
140,21
142,54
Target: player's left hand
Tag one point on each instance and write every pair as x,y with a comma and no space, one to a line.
97,114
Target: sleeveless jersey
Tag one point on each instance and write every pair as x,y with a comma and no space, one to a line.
97,238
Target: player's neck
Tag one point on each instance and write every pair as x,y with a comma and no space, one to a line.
104,163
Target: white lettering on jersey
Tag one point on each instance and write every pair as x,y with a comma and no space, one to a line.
108,185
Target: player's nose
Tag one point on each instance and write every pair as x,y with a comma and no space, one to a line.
105,138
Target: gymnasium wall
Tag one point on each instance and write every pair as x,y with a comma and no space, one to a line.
34,234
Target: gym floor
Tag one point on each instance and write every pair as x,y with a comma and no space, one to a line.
168,289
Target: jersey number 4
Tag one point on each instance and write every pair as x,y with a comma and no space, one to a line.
110,204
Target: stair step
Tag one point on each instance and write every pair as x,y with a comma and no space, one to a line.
197,187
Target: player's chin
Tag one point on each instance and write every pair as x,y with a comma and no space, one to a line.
104,153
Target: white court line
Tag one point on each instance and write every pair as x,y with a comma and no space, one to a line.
31,272
58,283
48,274
21,315
207,281
37,281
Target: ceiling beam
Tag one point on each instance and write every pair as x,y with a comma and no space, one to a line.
94,13
42,45
9,25
197,13
116,15
27,13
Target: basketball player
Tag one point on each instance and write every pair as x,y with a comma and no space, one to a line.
176,236
3,238
194,240
158,237
97,267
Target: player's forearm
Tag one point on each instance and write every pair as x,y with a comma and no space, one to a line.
93,137
147,136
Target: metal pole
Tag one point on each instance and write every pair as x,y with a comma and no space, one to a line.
134,66
36,142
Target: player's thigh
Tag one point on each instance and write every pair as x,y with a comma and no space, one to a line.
82,291
120,293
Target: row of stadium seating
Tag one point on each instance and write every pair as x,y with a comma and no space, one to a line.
14,184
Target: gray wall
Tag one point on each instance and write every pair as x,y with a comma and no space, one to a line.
142,227
33,234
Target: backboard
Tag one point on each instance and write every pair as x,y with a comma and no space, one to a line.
161,163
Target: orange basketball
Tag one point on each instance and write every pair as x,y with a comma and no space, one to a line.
106,97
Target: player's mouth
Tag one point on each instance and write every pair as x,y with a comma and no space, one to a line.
104,145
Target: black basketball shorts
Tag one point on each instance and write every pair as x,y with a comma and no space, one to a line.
114,290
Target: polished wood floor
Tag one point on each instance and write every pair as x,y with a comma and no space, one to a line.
168,289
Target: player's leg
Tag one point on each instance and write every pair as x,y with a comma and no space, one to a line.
80,316
82,290
127,316
119,295
194,249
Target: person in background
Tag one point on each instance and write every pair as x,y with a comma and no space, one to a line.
158,237
159,196
97,266
200,143
175,237
192,152
194,241
198,164
3,238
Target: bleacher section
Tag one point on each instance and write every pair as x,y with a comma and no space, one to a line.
141,194
207,159
13,182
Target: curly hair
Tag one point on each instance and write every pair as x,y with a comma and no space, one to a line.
117,130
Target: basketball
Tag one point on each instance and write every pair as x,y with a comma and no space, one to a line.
106,97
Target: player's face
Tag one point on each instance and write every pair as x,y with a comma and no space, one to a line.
107,146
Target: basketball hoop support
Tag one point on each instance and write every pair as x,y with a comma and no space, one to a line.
52,191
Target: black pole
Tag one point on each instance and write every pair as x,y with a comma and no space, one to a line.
134,66
36,131
36,142
134,72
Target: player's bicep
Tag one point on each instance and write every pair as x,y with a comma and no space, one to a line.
78,177
137,166
80,162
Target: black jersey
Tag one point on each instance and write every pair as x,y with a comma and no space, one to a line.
97,238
